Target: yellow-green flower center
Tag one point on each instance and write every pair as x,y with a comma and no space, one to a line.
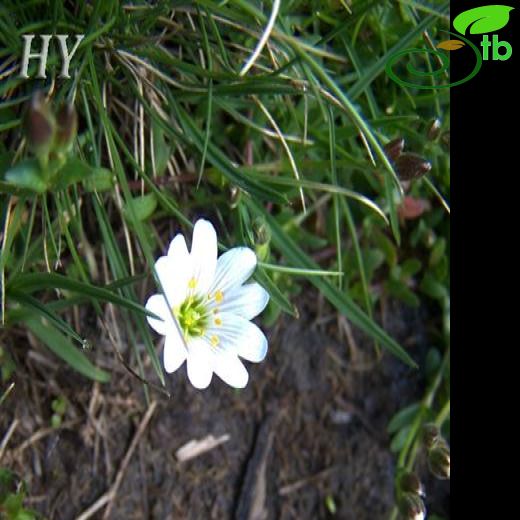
192,316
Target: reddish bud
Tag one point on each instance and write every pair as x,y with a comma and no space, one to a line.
39,124
394,148
412,208
411,166
67,120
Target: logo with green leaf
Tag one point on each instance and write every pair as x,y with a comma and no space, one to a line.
479,20
482,20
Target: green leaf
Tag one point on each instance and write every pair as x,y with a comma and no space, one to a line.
372,260
484,19
432,363
7,368
27,175
438,251
9,189
100,179
63,348
12,504
143,207
410,268
74,170
399,290
399,439
59,405
403,417
161,150
386,246
433,288
7,482
35,306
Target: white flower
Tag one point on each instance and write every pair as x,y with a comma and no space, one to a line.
207,311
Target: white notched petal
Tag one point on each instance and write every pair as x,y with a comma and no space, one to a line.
234,267
200,363
175,352
174,276
178,250
239,336
157,304
246,301
231,370
203,255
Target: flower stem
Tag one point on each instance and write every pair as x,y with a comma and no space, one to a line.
299,270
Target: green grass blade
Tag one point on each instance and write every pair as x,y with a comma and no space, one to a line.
339,299
63,348
36,281
37,307
372,72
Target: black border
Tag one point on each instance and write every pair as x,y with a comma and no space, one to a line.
484,147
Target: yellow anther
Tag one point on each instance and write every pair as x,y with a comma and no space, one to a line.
192,283
218,321
219,296
214,340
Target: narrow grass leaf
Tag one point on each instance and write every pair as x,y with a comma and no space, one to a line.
63,348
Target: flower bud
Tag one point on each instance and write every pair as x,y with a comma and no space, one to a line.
39,125
439,460
434,129
394,148
236,195
411,166
261,231
431,434
67,120
410,483
411,507
262,235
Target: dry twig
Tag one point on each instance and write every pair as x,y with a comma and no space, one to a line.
7,436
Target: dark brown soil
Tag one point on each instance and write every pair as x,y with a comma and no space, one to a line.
309,428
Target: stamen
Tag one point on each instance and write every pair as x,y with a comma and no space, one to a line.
218,321
219,296
214,340
192,283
